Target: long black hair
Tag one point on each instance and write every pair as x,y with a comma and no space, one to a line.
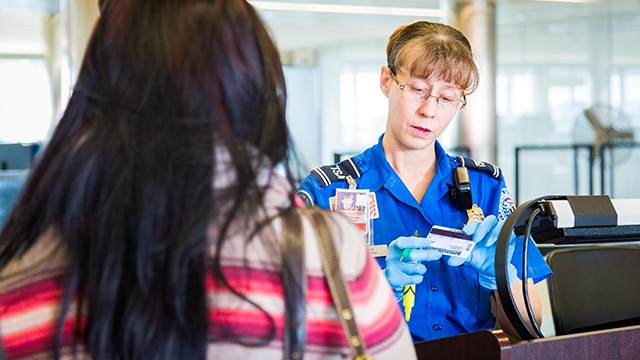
126,179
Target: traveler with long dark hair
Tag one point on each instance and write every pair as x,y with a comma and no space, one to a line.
151,225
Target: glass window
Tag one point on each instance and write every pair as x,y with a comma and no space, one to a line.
25,100
363,109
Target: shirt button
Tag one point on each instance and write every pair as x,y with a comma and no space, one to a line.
434,288
437,327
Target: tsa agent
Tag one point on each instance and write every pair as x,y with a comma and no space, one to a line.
413,185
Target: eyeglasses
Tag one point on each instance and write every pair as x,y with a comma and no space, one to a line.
446,102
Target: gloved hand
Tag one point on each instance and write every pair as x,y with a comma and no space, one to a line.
483,256
409,270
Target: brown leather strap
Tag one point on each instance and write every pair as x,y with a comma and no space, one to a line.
337,285
294,280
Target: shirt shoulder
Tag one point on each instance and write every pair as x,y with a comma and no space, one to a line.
322,181
486,182
30,291
338,172
482,167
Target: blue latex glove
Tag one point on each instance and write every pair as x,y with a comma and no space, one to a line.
483,256
409,270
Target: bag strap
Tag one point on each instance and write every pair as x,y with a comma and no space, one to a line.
337,285
294,282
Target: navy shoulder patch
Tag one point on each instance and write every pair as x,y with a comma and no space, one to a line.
480,165
337,172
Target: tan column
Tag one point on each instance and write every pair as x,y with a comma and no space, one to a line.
477,129
53,56
79,18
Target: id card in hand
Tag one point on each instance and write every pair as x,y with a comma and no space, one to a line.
448,241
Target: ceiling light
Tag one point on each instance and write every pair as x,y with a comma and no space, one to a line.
348,9
573,1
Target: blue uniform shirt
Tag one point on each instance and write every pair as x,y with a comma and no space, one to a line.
450,300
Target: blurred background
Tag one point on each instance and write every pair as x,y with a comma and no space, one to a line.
558,109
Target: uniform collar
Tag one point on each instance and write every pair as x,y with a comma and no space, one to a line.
445,164
377,175
382,172
442,180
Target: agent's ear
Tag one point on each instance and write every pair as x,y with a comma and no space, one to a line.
385,80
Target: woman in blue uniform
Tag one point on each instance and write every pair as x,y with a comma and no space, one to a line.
430,71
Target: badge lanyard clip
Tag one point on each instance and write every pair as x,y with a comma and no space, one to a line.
351,181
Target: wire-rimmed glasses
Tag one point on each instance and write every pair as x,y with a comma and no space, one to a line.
446,102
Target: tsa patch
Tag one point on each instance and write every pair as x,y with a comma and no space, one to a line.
507,205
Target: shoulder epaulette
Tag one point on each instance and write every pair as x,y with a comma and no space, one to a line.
337,172
480,165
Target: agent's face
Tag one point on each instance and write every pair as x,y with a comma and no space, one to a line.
415,122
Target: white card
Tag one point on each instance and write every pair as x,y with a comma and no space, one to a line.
378,250
452,242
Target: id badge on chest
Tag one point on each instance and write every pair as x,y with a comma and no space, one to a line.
361,207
